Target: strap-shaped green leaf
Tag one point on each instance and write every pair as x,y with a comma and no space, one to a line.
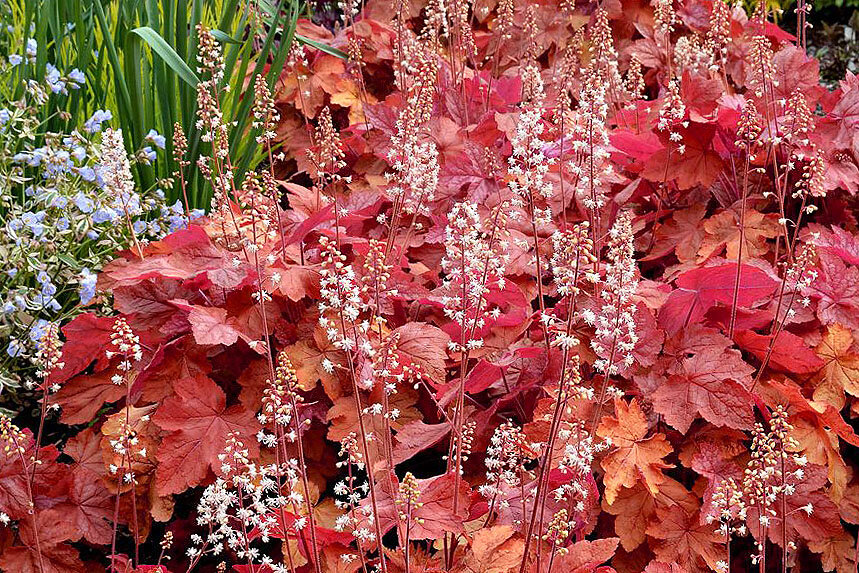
223,37
320,46
168,54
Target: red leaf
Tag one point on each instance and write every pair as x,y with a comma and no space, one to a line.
837,289
87,338
426,346
210,324
416,437
84,395
90,509
789,353
198,421
182,255
711,384
700,289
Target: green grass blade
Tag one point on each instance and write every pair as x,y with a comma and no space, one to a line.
321,47
168,54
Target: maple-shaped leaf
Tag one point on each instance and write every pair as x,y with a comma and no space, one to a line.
494,550
840,372
211,325
837,291
788,354
85,449
416,437
682,233
84,395
711,384
837,553
48,485
822,447
426,346
702,93
699,164
633,458
57,556
181,255
141,459
685,538
635,508
700,289
585,556
89,509
313,359
717,464
835,241
147,302
820,413
436,514
175,360
87,339
822,522
198,421
723,232
797,72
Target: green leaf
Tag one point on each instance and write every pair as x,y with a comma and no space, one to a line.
168,54
70,261
223,37
323,47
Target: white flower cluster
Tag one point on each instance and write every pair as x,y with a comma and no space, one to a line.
615,338
528,165
246,505
474,262
341,303
127,346
590,162
504,462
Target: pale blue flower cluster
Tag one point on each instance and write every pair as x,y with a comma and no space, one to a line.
68,202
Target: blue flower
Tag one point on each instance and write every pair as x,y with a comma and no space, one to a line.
15,348
46,301
43,277
34,222
92,234
58,163
5,116
54,79
84,203
60,202
49,289
12,273
15,59
9,307
87,174
149,154
87,281
62,224
103,215
76,78
37,331
79,153
32,47
156,138
93,124
139,227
